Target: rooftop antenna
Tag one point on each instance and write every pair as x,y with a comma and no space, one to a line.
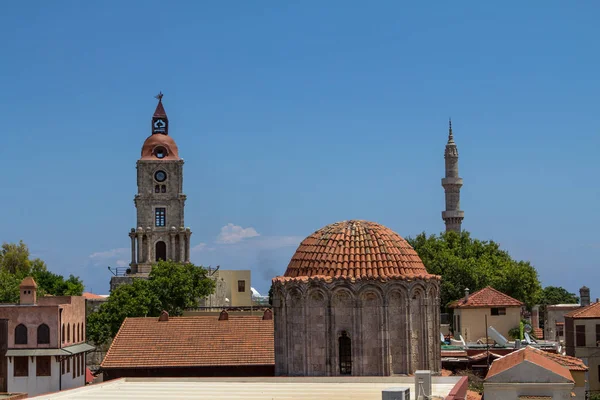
111,271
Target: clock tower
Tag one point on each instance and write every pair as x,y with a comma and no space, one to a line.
160,202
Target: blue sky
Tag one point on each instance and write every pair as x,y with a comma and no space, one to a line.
294,116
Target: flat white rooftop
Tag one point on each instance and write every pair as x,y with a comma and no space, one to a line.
282,388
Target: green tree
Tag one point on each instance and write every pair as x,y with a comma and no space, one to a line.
464,262
171,286
556,295
16,264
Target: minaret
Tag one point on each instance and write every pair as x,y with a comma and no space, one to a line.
160,202
452,183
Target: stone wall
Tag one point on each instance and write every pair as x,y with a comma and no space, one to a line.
393,326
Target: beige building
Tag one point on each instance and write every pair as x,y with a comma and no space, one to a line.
232,289
502,311
531,373
356,300
46,347
582,339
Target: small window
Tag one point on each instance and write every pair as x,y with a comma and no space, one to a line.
241,286
499,311
456,325
345,350
63,333
157,189
43,334
42,366
68,360
77,333
160,216
63,366
160,152
68,333
580,335
21,334
74,333
21,366
163,189
597,335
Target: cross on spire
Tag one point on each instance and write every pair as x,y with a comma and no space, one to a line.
159,96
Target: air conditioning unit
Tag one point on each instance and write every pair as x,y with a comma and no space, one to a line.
396,393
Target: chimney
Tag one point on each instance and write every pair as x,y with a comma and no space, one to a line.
224,316
268,314
28,291
466,294
164,316
584,296
535,317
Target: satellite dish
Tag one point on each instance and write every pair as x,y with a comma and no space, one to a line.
528,328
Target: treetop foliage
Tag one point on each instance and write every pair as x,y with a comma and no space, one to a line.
16,264
464,262
171,286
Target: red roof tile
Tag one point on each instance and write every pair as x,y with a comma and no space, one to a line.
88,295
591,311
192,341
28,282
486,297
538,357
355,250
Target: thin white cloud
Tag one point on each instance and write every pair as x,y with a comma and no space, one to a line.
104,255
199,247
231,233
121,263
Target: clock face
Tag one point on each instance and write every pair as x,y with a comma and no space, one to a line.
160,176
159,125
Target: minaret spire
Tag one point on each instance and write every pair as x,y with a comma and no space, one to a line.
452,183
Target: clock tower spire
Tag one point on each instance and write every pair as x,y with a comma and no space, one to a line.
159,202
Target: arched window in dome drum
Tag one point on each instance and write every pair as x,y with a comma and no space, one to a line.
345,350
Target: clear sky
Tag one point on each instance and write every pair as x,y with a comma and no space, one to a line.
293,116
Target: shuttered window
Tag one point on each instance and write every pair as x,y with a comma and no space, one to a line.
580,335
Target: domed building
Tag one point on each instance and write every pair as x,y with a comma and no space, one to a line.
356,299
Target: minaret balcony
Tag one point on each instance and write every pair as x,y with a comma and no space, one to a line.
452,181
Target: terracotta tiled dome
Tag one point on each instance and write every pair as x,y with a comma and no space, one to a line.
157,142
355,250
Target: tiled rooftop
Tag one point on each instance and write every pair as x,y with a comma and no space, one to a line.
556,363
486,297
355,250
591,311
192,341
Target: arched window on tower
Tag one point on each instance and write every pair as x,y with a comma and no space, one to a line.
161,251
21,334
68,333
157,189
43,334
345,354
63,333
163,188
73,333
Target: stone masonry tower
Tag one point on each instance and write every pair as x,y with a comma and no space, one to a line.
160,202
452,183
